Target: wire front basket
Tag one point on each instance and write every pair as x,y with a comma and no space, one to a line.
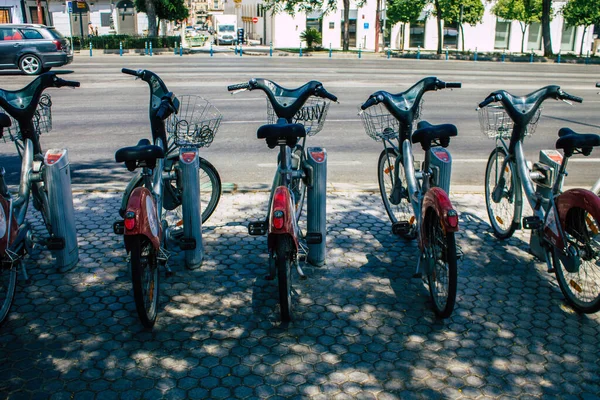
312,114
495,122
379,123
42,120
196,123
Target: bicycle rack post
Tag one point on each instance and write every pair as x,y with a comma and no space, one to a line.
190,204
63,238
316,204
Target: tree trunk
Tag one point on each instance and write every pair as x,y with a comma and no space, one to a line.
462,37
523,29
402,33
546,36
377,25
151,14
582,41
438,13
346,41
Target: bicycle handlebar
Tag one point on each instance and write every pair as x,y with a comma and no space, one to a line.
370,102
452,85
488,100
239,86
58,82
562,95
131,72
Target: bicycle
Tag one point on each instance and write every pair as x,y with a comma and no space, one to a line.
564,225
45,178
416,199
293,114
169,179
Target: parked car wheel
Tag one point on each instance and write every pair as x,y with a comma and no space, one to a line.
30,65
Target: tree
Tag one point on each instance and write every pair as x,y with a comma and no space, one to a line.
582,12
312,37
404,11
524,11
169,10
293,6
546,17
472,13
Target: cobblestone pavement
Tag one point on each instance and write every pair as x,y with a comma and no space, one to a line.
364,327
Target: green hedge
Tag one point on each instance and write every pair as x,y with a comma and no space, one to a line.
129,42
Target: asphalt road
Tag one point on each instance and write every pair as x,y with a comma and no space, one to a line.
109,111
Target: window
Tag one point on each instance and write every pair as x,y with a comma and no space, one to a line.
417,34
34,16
451,35
567,42
331,25
5,16
105,19
502,34
10,34
32,34
534,40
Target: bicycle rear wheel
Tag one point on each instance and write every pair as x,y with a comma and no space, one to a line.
501,188
144,277
8,285
580,284
394,192
283,263
442,275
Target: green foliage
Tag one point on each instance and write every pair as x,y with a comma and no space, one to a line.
472,11
404,10
170,10
582,12
312,37
129,42
524,11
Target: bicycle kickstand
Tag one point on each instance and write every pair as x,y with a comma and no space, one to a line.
163,258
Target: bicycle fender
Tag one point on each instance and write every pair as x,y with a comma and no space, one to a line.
437,199
8,229
282,202
141,203
572,198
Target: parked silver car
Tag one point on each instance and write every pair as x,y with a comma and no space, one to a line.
33,48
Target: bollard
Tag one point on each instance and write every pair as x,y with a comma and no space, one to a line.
175,49
503,55
587,58
270,49
211,49
389,53
241,52
150,48
300,55
121,49
146,48
180,50
316,217
235,49
475,57
558,58
531,57
418,52
359,49
446,53
329,49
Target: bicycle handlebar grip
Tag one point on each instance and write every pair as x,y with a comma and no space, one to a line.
597,84
328,95
371,102
451,85
238,86
129,72
62,82
487,101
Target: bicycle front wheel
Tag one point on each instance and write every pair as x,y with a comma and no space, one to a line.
144,277
580,283
8,285
501,188
442,274
394,191
297,185
283,264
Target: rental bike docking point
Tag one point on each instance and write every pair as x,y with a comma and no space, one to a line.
293,114
415,194
564,225
46,178
169,180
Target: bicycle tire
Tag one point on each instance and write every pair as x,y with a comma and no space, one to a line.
8,285
387,176
502,213
144,278
210,189
283,264
581,287
443,278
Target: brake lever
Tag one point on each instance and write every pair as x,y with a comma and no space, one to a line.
238,91
567,101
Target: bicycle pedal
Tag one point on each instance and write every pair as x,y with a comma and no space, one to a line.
187,243
533,222
55,243
119,227
258,228
314,238
401,227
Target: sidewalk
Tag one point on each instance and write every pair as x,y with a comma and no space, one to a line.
363,326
